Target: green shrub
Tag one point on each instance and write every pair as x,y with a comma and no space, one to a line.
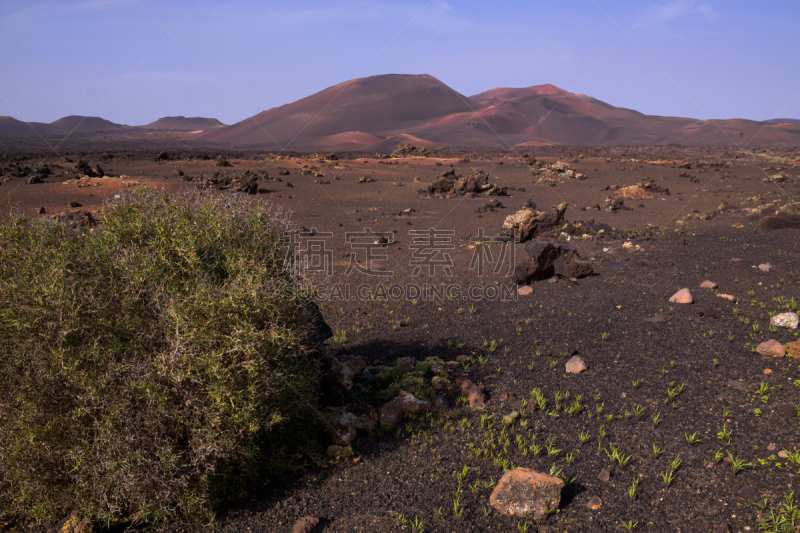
148,363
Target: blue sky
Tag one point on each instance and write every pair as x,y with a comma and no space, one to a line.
133,61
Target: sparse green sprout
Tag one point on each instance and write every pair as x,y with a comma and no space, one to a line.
725,434
656,450
669,476
692,439
718,456
656,418
738,464
633,492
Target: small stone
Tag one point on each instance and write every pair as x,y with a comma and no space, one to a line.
765,267
307,524
523,492
511,417
767,371
783,454
707,284
576,365
594,504
771,348
660,317
736,384
683,296
728,297
525,291
785,320
772,447
793,349
604,475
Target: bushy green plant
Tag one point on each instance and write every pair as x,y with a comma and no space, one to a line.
150,362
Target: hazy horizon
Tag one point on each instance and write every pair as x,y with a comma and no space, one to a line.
134,61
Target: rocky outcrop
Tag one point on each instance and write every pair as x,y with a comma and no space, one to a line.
475,184
529,222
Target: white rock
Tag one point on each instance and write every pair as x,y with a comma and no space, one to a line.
785,320
576,365
683,296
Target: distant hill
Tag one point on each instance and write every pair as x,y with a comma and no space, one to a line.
11,127
183,124
795,121
395,108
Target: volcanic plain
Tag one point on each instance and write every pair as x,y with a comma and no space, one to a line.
676,424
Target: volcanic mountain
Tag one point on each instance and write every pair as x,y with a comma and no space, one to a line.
183,124
384,111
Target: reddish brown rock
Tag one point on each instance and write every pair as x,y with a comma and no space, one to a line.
523,492
476,394
708,284
792,349
594,504
771,348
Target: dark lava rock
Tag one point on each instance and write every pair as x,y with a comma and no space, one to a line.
547,259
247,183
780,221
476,183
